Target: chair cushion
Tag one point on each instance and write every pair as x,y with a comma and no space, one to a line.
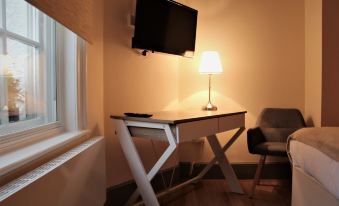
271,148
277,134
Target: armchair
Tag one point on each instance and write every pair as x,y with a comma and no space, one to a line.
269,137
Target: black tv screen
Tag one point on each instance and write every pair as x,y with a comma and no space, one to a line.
165,26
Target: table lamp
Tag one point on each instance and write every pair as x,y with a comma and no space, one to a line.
210,64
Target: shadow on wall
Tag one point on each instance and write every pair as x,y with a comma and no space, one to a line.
309,122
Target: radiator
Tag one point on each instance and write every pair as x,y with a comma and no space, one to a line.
74,178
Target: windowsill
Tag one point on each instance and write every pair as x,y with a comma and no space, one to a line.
20,125
17,158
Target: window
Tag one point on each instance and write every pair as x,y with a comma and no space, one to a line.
42,85
39,65
28,86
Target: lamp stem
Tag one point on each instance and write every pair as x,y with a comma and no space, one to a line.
209,105
209,87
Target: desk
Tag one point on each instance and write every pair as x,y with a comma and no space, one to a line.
176,127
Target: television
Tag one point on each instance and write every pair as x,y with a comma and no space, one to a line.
165,26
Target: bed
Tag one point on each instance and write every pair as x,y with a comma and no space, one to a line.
314,154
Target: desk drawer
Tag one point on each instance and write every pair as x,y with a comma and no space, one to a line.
150,133
190,130
231,122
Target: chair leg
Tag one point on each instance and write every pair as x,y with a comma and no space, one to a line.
257,174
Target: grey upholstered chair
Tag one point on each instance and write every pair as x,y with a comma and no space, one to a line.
269,137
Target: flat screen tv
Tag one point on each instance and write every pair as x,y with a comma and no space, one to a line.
165,26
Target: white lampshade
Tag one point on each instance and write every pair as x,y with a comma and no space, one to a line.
210,63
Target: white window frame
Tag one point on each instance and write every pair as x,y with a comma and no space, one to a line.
71,104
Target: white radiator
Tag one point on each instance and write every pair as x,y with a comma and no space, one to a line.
74,178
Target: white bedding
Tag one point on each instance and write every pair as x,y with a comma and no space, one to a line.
316,164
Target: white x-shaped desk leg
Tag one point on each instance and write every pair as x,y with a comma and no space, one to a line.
142,179
224,164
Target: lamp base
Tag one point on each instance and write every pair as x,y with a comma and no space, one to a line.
210,107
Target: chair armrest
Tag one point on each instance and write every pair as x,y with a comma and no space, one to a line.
254,137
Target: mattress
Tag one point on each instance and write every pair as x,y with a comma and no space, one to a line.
316,164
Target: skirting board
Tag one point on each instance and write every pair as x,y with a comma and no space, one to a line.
119,194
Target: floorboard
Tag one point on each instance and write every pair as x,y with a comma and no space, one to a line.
216,192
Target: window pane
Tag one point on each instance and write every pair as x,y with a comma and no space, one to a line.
1,9
18,86
25,100
22,19
2,44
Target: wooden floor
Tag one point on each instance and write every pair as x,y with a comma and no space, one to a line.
215,193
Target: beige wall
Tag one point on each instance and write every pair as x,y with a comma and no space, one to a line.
261,44
132,83
79,181
313,61
95,69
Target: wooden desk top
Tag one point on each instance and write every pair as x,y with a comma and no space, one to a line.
179,116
